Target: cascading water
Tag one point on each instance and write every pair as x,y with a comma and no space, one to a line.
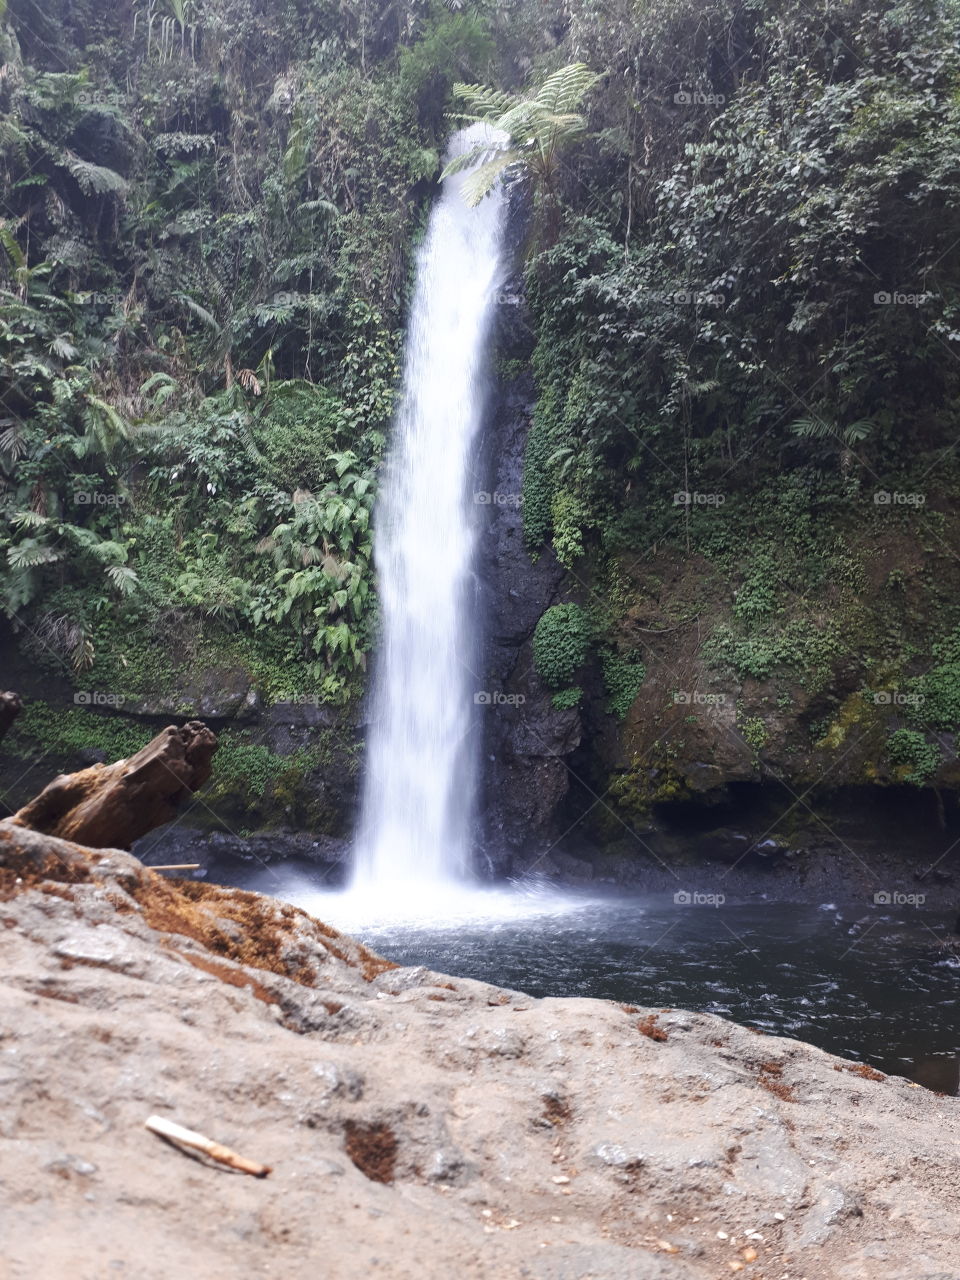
417,816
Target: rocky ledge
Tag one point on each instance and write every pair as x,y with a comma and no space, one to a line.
417,1125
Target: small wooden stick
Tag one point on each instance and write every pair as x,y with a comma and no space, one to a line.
187,1138
172,866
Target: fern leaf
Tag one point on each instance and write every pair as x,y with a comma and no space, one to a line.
95,179
564,90
482,102
482,182
30,553
123,578
201,313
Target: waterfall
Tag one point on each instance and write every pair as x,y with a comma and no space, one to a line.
417,816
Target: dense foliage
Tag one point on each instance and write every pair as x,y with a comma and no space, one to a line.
204,258
748,349
744,294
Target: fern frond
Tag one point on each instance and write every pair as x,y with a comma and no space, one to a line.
564,90
479,154
95,179
30,553
482,102
201,313
482,182
28,519
123,578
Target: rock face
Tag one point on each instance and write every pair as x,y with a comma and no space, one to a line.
417,1125
526,739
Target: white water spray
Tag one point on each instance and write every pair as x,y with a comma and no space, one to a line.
416,822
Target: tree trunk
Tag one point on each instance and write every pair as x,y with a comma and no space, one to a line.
109,806
10,708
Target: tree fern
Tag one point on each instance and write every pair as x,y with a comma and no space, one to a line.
529,131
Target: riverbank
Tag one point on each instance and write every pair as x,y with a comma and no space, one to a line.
415,1123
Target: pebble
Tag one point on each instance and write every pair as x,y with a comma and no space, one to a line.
561,1177
722,1235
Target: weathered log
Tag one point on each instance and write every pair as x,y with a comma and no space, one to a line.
10,707
109,806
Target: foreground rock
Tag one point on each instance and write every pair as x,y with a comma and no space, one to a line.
417,1125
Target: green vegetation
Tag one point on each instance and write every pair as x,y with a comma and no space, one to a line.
537,129
622,678
204,260
918,759
561,643
743,285
42,728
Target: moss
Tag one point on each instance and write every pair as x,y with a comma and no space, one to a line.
622,677
68,732
249,774
854,711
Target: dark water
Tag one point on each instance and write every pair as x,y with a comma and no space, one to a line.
860,983
866,982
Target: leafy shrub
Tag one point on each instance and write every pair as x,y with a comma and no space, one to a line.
910,749
566,699
560,644
622,676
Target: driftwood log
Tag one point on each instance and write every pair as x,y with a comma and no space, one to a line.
109,806
10,708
